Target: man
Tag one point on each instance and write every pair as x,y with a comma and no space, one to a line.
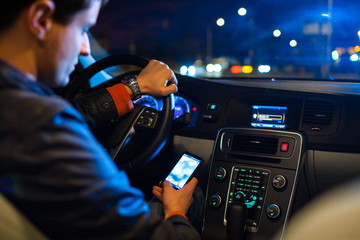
52,168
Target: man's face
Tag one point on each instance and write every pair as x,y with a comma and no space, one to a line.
63,46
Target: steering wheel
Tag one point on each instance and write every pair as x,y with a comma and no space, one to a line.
129,142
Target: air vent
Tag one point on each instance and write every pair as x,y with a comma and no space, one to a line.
254,144
318,112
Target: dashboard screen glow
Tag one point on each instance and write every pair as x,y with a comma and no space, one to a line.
268,116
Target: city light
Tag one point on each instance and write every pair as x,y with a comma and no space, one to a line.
217,68
359,34
192,71
293,43
264,69
183,70
335,55
220,22
277,33
247,69
242,11
210,67
357,48
235,69
354,58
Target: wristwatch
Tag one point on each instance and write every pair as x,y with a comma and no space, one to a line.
132,83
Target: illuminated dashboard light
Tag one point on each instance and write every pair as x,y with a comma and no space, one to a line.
247,69
354,58
183,70
194,109
264,68
235,69
220,22
277,33
242,11
210,67
293,43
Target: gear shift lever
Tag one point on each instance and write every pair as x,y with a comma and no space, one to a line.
236,220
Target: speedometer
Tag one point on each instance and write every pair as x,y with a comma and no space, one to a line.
181,106
149,101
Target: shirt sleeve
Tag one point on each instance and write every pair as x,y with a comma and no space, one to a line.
121,99
104,106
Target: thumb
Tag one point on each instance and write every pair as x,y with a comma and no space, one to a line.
166,184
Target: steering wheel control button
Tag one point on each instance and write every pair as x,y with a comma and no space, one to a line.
147,119
284,147
279,182
215,201
220,173
273,211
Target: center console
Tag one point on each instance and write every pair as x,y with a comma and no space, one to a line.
257,168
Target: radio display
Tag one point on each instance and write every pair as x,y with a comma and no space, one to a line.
268,116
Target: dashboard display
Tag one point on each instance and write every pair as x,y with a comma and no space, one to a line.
268,116
181,104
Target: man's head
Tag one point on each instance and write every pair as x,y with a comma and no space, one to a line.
64,11
55,33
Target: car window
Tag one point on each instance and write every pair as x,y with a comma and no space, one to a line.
315,39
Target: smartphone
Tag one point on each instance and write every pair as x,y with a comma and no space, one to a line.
184,170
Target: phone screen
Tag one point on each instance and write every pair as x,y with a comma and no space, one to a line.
183,170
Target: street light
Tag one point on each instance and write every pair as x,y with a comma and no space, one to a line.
277,33
220,22
242,11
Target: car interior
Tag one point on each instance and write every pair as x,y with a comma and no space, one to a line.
272,144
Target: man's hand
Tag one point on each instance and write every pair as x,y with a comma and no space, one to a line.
157,79
175,200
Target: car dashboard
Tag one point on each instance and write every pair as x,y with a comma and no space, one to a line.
300,134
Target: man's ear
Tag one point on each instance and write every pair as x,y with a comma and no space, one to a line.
40,17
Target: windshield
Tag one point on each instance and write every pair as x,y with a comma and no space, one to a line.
316,39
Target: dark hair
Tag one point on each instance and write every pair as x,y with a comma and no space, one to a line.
64,10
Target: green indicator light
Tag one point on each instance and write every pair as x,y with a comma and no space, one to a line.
236,169
265,173
243,170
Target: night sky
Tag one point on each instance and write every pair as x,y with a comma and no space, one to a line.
177,30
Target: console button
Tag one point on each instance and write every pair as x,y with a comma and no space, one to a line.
220,173
284,147
279,182
215,200
273,211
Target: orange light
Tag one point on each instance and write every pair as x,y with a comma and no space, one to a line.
236,69
357,49
247,69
